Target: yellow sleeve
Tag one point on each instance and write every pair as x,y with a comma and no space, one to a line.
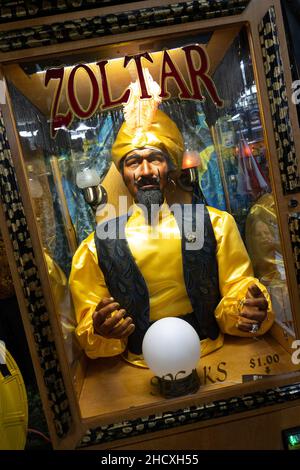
88,287
235,275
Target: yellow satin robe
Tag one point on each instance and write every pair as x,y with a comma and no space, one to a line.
160,262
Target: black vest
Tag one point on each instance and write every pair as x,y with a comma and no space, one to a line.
127,285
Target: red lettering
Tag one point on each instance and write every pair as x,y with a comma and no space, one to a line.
201,73
197,74
107,101
57,120
173,73
139,68
75,105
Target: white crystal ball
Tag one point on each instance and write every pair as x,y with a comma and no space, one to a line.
171,345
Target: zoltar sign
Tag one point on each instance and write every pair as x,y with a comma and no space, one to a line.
83,89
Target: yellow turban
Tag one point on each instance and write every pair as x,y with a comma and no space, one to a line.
162,134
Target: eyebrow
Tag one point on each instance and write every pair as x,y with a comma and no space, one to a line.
152,154
130,157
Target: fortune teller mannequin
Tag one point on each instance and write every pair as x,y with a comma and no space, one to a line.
121,284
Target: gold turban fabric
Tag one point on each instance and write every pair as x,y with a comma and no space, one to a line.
162,134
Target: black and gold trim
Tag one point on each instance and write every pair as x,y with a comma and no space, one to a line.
277,93
37,313
193,414
294,226
111,24
17,10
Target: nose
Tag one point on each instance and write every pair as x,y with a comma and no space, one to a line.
145,168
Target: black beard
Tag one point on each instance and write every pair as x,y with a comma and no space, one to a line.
152,199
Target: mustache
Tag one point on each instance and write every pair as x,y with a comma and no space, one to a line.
147,180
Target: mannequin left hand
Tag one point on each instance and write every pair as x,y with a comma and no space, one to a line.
254,310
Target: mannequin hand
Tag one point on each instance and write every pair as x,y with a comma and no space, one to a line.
110,326
254,310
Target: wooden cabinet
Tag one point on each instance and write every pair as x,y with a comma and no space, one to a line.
62,78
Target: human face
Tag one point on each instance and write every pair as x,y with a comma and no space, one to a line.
263,236
145,169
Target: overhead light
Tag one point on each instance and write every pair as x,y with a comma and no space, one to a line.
83,127
28,133
77,136
234,118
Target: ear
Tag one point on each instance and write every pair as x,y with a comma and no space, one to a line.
187,178
171,165
174,173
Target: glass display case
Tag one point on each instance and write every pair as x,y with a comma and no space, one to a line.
224,85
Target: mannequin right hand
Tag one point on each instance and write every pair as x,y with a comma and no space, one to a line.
108,325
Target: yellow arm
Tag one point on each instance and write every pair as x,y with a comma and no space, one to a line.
235,274
88,288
